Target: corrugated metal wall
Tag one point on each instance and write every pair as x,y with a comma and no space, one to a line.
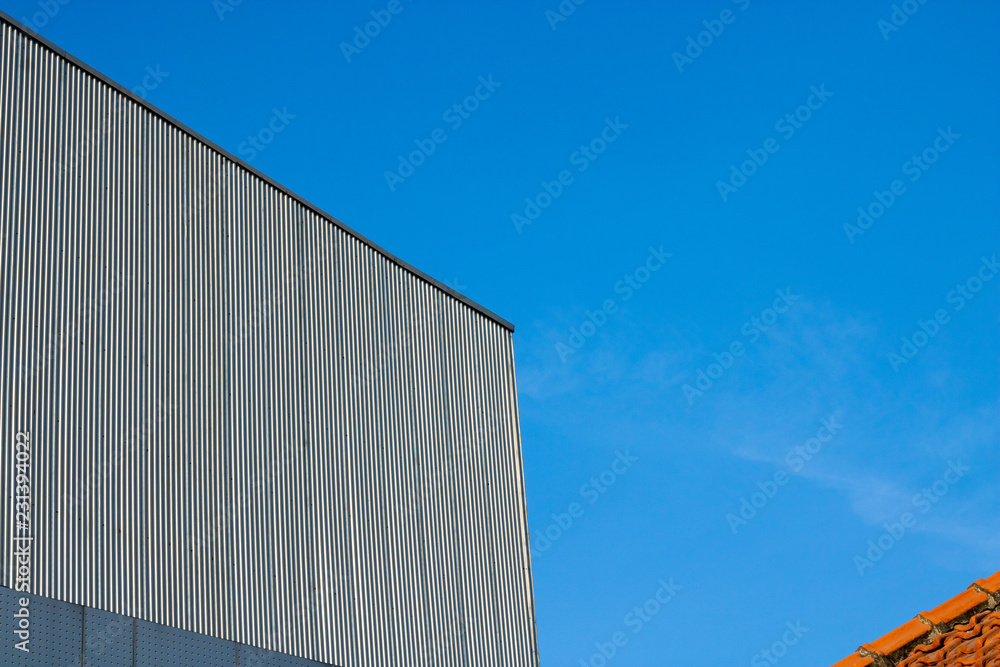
245,421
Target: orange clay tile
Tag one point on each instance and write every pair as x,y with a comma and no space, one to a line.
975,643
898,638
955,607
854,660
991,584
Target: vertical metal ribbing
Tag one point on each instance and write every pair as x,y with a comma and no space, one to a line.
345,627
455,451
198,469
129,429
302,451
223,445
26,304
140,427
63,510
157,471
115,352
42,372
193,476
476,519
353,466
219,200
401,490
157,479
250,423
237,431
326,595
287,436
240,428
6,262
524,599
13,224
306,249
35,323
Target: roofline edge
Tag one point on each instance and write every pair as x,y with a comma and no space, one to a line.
17,25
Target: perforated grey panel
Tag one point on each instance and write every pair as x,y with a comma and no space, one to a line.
160,646
108,639
60,634
55,631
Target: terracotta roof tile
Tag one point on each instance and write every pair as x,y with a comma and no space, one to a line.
854,660
955,607
910,631
974,644
943,636
991,584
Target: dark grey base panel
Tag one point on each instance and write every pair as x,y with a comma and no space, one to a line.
68,635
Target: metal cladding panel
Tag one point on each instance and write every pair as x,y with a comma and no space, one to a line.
108,640
54,631
245,420
164,646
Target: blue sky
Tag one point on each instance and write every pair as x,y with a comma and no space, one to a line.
900,122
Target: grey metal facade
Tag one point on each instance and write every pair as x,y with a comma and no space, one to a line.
245,420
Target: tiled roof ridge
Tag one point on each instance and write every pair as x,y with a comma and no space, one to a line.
983,595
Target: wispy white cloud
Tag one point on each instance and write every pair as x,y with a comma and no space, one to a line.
815,362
